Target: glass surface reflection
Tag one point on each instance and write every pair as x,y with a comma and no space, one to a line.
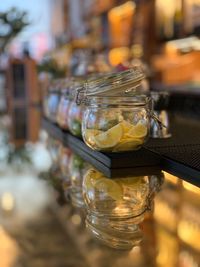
40,226
77,168
115,208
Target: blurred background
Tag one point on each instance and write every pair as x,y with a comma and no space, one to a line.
56,39
44,42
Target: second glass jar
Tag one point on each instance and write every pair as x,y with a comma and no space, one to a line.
75,112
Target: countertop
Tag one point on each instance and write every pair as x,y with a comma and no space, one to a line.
56,235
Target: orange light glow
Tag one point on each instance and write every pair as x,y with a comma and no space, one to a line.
7,201
189,232
191,187
171,178
8,249
120,24
163,211
118,55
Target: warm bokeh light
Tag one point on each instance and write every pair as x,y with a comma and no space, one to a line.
165,12
168,248
120,23
189,232
163,211
191,187
171,178
8,249
76,219
118,55
7,201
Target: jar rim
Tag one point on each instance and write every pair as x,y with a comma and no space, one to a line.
120,84
128,100
114,84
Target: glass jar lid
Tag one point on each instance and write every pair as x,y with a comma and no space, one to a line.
76,85
119,84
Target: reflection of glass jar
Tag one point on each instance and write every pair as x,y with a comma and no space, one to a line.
116,207
75,115
122,197
75,119
53,101
116,118
116,234
64,160
63,108
77,168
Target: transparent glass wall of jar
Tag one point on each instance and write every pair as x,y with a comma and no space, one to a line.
64,104
75,113
53,100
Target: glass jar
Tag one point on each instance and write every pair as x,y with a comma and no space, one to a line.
53,100
116,207
116,117
64,104
75,114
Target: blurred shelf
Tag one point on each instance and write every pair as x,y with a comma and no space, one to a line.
179,155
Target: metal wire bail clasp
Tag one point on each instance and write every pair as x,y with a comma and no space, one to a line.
157,120
153,115
79,96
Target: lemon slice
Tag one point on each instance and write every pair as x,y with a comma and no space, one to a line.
128,144
90,134
110,188
126,126
138,131
91,177
109,138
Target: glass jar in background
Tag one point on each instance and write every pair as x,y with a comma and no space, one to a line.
116,117
75,114
116,207
64,104
53,100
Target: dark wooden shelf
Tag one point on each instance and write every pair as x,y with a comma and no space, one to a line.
179,155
